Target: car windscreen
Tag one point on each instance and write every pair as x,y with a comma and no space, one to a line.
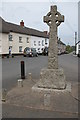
27,49
33,49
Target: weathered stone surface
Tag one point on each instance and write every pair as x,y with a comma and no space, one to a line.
52,63
3,95
53,20
47,99
52,79
20,83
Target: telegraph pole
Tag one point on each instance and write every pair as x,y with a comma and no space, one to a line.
75,41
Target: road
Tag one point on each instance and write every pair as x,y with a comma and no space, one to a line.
11,73
11,68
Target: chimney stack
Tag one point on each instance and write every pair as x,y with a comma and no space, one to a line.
46,32
22,23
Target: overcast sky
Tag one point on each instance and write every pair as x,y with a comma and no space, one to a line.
32,14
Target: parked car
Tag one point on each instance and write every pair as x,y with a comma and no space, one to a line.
30,52
59,52
66,52
45,51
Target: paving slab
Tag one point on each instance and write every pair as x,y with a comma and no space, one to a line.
12,111
75,91
25,97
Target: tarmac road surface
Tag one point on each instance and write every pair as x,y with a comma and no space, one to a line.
11,68
11,73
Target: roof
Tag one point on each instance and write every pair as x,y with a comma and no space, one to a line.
60,42
10,27
77,42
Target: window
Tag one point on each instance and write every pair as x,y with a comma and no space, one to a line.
10,37
10,47
27,39
33,49
34,43
38,48
20,48
0,49
42,42
20,39
45,41
39,43
79,46
59,45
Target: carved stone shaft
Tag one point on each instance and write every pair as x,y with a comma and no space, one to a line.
53,19
53,48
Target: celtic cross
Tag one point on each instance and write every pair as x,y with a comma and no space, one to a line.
53,20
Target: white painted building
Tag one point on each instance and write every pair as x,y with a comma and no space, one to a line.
78,48
39,43
17,43
18,37
61,47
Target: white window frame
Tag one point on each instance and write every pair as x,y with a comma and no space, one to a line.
42,42
34,43
10,37
20,49
10,47
39,43
27,40
20,39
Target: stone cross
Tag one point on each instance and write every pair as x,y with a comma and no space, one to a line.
53,20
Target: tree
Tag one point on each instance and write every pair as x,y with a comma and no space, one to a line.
69,48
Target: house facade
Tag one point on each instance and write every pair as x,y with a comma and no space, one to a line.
39,43
17,42
18,37
61,47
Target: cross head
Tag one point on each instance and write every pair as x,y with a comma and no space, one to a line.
53,16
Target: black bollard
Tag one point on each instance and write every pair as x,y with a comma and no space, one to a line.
22,70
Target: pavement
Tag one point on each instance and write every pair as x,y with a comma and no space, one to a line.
60,102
